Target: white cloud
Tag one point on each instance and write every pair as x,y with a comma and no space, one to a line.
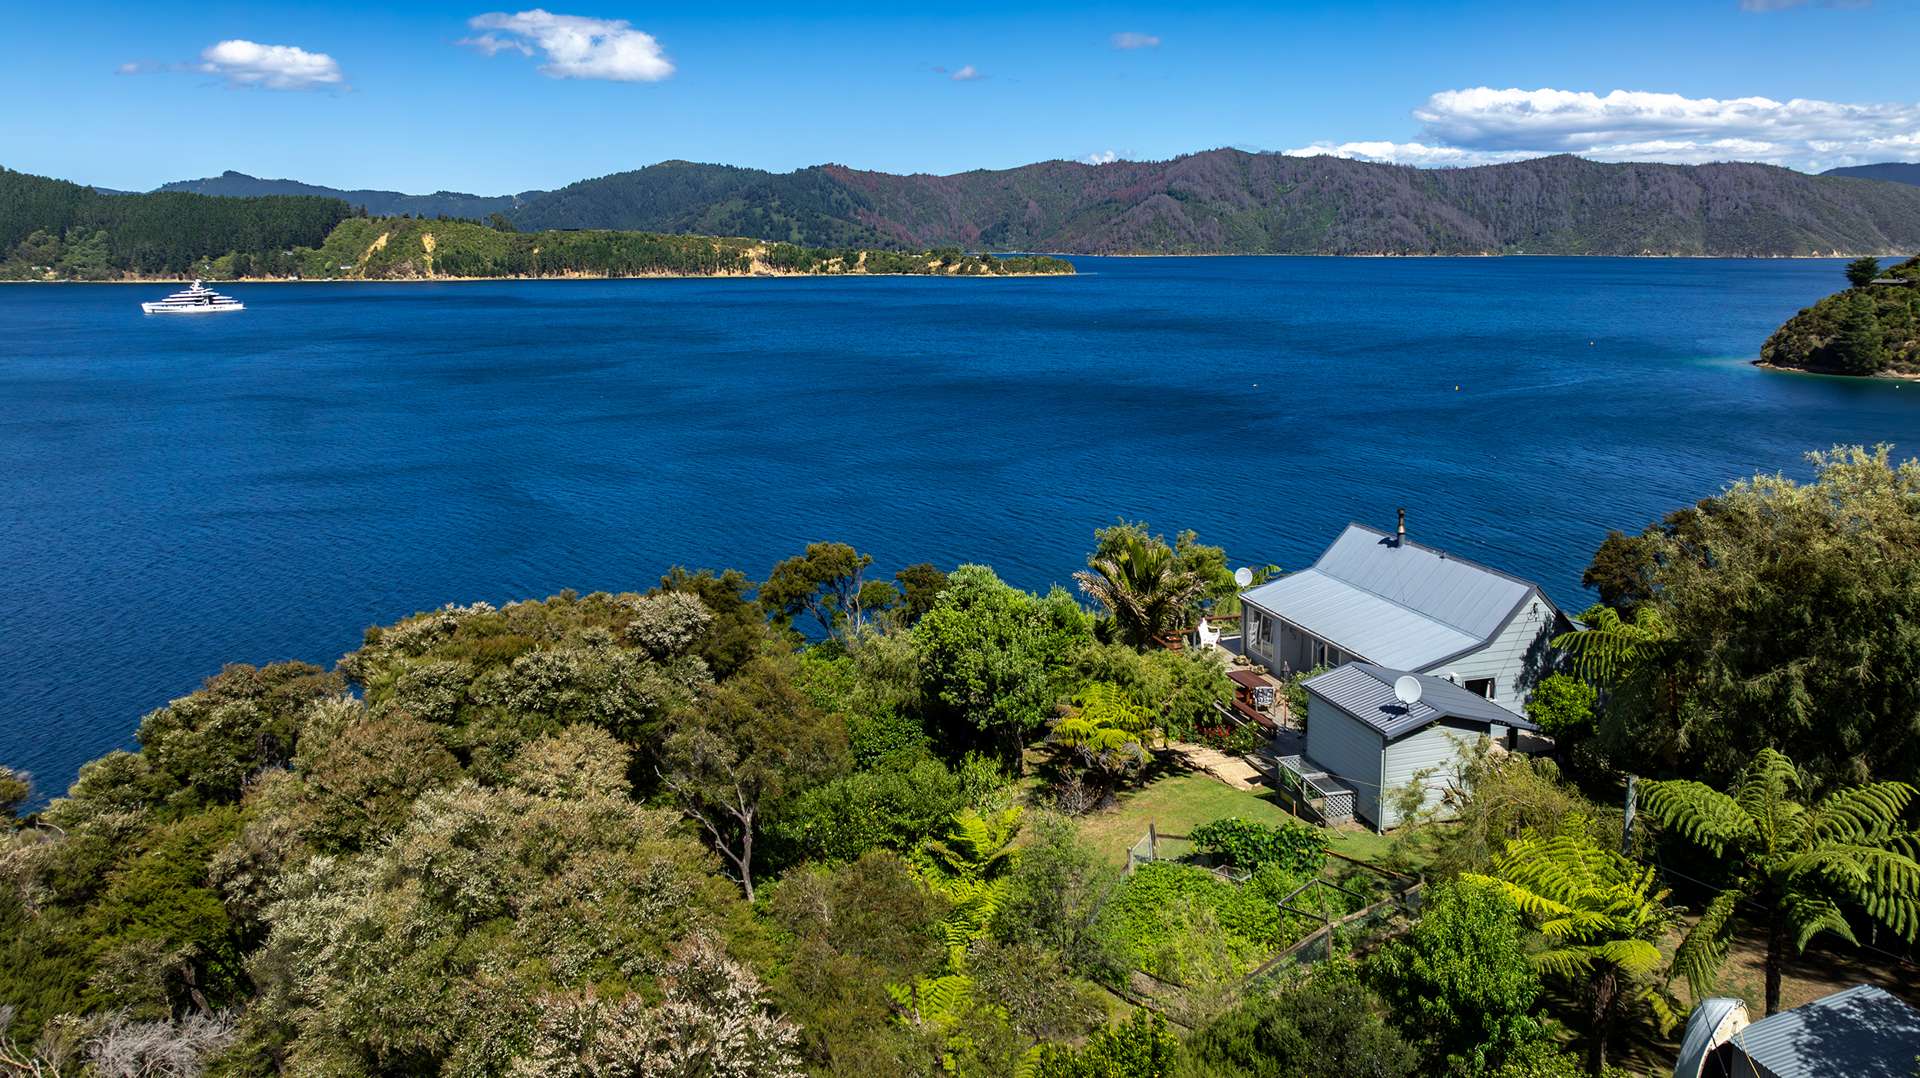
1104,157
1128,39
1483,125
576,47
967,73
272,67
1406,153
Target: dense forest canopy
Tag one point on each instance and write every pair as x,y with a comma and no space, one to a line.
1233,202
375,203
1221,202
52,230
847,822
51,226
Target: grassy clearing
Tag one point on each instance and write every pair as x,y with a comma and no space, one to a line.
1179,802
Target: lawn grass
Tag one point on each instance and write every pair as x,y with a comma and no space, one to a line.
1177,803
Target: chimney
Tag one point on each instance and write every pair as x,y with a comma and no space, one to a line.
1401,536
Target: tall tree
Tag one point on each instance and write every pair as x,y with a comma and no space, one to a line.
1861,271
751,739
1792,616
997,659
828,582
1602,917
1859,345
1147,588
1794,867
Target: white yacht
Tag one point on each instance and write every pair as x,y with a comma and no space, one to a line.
198,299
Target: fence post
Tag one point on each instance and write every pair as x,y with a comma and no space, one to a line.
1153,842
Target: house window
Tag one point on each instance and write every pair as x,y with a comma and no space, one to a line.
1256,633
1480,686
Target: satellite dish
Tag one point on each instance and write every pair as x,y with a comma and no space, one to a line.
1243,576
1407,690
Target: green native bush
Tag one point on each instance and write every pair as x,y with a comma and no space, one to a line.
1293,845
1141,924
1323,1024
1140,1047
1460,984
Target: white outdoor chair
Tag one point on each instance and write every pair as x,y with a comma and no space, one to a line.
1209,636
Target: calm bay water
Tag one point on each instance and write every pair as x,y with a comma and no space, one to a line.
176,493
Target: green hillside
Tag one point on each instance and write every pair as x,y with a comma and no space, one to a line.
398,248
1232,202
51,228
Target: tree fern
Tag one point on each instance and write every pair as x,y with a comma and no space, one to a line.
1607,647
1601,917
1794,869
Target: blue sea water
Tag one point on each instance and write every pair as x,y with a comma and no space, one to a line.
177,493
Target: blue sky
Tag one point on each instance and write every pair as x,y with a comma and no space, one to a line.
490,99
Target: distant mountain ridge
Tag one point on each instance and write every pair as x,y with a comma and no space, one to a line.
1891,171
376,203
1219,202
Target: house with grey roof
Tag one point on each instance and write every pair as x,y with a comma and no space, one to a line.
1381,598
1365,743
1863,1032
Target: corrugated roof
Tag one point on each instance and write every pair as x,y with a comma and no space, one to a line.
1863,1032
1400,604
1366,691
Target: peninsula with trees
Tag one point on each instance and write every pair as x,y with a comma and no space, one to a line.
1870,328
51,230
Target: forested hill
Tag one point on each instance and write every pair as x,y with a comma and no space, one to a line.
401,248
377,203
1228,201
54,230
51,227
1891,171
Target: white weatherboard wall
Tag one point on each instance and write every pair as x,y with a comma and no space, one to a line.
1348,748
1435,748
1515,658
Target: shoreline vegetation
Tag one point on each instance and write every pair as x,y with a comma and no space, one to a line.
52,230
840,823
1871,329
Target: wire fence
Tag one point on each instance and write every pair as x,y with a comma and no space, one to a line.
1346,934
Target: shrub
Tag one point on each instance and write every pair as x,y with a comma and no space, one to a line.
1325,1024
1460,984
1143,924
1294,845
1140,1047
1562,705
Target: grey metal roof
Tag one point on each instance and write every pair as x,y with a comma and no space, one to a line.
1366,692
1702,1026
1863,1032
1400,604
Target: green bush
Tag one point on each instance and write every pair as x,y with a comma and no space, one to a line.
1140,1047
1562,705
1143,923
1324,1025
1294,845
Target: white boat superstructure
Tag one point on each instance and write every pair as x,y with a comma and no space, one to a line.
199,299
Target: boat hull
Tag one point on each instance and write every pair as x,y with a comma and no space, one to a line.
191,308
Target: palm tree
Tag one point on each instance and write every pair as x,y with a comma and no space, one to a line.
1796,869
1142,583
1601,916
